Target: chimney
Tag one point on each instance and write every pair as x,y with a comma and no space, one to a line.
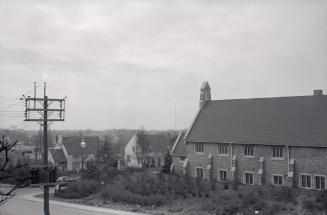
205,95
317,92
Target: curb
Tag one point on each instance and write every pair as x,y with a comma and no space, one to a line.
31,198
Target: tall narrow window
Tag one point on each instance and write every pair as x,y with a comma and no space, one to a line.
277,180
249,150
199,147
305,181
199,172
222,175
320,182
222,149
248,178
277,151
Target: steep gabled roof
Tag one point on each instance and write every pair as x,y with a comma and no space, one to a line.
298,121
179,148
58,155
157,142
73,145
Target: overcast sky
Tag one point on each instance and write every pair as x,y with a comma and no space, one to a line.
124,64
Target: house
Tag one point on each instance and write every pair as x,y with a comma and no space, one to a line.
58,158
154,148
178,154
73,152
280,141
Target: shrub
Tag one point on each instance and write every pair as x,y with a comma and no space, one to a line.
272,209
259,204
231,209
310,205
322,199
280,194
249,200
79,189
139,188
226,185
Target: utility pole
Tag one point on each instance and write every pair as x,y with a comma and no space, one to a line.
45,152
42,107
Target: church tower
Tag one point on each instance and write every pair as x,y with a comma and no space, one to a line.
205,95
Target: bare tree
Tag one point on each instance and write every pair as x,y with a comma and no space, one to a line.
11,172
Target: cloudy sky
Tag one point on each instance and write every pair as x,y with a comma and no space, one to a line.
126,64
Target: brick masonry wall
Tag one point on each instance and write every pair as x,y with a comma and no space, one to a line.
307,160
271,166
312,161
196,159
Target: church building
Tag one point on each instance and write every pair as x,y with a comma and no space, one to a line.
280,141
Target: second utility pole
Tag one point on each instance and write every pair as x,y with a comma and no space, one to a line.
45,152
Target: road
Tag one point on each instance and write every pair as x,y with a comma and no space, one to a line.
24,204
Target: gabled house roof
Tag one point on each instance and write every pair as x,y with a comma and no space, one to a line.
294,121
159,143
73,145
179,147
58,155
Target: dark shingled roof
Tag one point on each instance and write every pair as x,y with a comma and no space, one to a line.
58,155
73,145
158,142
294,121
179,148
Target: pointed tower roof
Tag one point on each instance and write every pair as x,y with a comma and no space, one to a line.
205,85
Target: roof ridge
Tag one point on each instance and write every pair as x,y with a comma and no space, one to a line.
276,97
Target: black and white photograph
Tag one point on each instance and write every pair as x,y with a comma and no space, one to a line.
163,107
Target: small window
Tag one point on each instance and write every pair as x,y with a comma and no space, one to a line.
199,172
222,175
150,149
222,149
199,147
305,181
248,178
182,158
133,148
249,150
128,158
320,182
277,152
277,180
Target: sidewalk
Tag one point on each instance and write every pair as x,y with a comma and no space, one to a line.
31,198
